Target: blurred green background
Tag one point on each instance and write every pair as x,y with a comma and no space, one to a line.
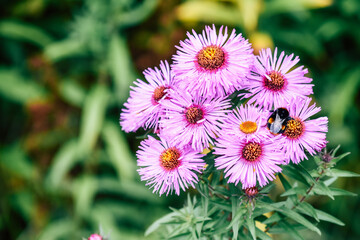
65,69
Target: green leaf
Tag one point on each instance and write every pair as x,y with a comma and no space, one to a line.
92,118
17,88
308,209
339,158
59,229
260,234
290,230
321,189
287,187
335,150
294,191
83,191
300,169
120,66
63,161
273,218
25,32
135,16
341,192
341,173
118,151
60,50
251,226
298,218
14,160
323,216
72,92
293,173
157,224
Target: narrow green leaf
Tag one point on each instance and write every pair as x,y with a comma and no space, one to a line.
120,66
335,150
251,226
17,88
66,48
83,191
300,169
287,187
321,189
291,172
25,32
339,158
59,229
260,234
157,224
291,231
341,173
63,161
308,209
328,218
118,151
273,218
92,118
298,218
72,92
341,192
294,191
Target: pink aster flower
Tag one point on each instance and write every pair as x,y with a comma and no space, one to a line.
166,166
194,120
246,121
213,63
95,237
304,134
144,106
274,81
249,162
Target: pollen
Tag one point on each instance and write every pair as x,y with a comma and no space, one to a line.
169,159
248,127
251,151
194,114
211,57
276,81
294,128
159,93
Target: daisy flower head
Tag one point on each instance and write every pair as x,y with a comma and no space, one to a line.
246,121
145,104
249,162
302,133
273,80
167,167
212,63
194,120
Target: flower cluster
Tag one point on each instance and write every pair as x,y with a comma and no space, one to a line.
189,106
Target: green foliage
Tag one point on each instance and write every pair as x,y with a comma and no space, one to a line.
65,165
229,212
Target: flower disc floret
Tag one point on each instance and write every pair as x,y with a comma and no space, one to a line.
248,127
211,57
294,128
251,151
274,81
194,114
169,159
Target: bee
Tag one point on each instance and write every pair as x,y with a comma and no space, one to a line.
277,121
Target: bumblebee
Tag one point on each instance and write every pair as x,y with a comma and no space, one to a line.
277,121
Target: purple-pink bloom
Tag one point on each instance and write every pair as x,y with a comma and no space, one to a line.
194,120
211,63
145,104
302,133
95,237
273,80
246,121
166,166
251,161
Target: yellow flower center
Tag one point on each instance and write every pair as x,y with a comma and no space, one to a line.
169,159
248,127
294,128
211,57
251,151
